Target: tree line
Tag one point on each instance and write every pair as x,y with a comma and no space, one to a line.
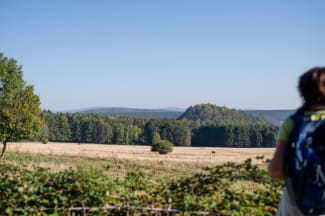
257,135
103,129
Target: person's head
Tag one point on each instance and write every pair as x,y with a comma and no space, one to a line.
311,86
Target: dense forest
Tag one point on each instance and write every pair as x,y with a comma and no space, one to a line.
220,126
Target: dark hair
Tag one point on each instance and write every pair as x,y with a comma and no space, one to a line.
308,87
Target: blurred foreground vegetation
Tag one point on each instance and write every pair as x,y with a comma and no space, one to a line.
50,185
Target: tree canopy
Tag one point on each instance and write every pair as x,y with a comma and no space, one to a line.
19,106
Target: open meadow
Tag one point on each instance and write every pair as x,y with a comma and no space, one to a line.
207,155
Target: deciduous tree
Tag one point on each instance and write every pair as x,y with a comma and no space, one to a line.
19,106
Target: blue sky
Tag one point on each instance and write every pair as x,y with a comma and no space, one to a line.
171,53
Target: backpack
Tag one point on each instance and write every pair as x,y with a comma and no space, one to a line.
305,164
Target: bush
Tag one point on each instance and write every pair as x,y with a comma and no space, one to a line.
45,140
162,147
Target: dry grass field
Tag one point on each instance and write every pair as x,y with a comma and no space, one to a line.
206,155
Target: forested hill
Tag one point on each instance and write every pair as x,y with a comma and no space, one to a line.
132,112
274,117
209,113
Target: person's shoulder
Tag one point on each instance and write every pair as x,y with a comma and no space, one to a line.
289,124
286,128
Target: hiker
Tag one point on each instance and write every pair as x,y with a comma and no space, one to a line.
311,87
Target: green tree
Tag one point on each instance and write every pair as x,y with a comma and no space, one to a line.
119,134
49,119
133,132
181,135
105,132
62,128
155,138
149,131
19,106
44,136
75,127
87,129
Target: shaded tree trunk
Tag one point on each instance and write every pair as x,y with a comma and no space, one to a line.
4,148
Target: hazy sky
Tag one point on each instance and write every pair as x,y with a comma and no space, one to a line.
168,53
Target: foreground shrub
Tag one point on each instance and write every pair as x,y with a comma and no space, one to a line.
23,190
227,189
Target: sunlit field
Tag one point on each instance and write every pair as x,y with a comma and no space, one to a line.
204,155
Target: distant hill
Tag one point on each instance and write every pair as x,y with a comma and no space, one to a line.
168,113
209,113
275,117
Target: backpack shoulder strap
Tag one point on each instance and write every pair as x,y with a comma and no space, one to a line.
291,182
298,119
